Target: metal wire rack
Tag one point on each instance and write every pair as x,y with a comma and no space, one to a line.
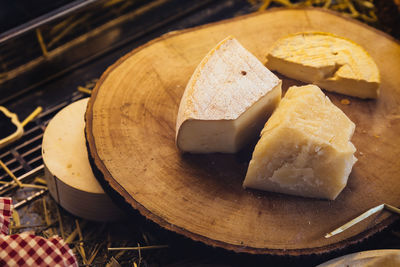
24,157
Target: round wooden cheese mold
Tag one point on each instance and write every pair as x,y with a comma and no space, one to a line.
67,170
130,131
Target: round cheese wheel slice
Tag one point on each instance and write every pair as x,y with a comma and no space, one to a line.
68,172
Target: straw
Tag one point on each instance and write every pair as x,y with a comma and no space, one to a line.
30,198
363,217
355,220
32,116
138,248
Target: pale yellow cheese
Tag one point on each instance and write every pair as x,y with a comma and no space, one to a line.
331,62
65,134
226,102
390,260
304,148
68,173
369,258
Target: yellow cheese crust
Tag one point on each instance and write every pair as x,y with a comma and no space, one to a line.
334,63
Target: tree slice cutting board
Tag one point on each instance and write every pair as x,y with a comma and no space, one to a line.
131,128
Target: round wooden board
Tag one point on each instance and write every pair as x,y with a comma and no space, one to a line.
131,128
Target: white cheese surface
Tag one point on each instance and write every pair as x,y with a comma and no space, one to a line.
227,100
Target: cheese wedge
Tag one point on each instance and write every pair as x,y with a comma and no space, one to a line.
305,147
226,102
331,62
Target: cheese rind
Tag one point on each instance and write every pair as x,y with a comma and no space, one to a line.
304,148
67,169
226,102
331,62
65,133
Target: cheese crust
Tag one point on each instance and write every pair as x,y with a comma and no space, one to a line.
334,63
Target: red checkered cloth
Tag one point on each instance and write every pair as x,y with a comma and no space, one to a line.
29,250
5,214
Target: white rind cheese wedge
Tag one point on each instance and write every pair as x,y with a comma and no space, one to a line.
331,62
226,102
304,148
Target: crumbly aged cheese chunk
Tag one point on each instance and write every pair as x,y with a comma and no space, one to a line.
331,62
304,148
226,102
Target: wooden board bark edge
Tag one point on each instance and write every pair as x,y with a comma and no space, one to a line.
107,180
